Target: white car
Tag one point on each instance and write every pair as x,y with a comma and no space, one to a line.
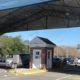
6,62
78,61
21,60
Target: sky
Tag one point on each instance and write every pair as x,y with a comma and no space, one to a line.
61,37
5,4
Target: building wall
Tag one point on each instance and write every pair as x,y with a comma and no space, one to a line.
43,56
64,51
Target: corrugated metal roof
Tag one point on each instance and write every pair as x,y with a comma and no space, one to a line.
44,15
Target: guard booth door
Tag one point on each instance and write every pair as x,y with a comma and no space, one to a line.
49,59
36,59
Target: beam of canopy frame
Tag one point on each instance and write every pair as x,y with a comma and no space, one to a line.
46,14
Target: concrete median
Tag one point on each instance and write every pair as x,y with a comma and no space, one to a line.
26,71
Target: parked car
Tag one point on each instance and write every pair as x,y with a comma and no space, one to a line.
79,60
56,62
15,61
6,62
69,60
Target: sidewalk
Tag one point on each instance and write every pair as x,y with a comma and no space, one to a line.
26,71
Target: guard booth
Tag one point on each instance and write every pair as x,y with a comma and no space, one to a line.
41,53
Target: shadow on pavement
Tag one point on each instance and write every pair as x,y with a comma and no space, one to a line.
8,68
69,69
3,67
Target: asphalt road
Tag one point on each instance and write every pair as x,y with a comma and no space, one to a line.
42,76
70,73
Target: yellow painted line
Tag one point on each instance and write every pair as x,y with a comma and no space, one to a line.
27,72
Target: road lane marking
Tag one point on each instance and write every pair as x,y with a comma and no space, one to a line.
64,77
5,75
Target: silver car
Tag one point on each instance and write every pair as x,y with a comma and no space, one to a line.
6,62
15,61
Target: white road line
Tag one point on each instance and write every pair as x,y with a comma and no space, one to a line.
9,77
5,75
64,77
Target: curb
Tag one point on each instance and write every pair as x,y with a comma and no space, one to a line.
27,72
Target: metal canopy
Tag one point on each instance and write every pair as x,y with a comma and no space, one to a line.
44,15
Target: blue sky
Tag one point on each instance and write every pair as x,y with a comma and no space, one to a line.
4,4
61,37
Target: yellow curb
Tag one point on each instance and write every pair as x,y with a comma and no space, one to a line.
27,72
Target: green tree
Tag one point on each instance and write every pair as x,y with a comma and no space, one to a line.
10,45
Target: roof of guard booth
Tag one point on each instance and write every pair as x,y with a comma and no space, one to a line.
47,41
39,42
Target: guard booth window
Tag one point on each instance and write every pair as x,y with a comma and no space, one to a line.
37,55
